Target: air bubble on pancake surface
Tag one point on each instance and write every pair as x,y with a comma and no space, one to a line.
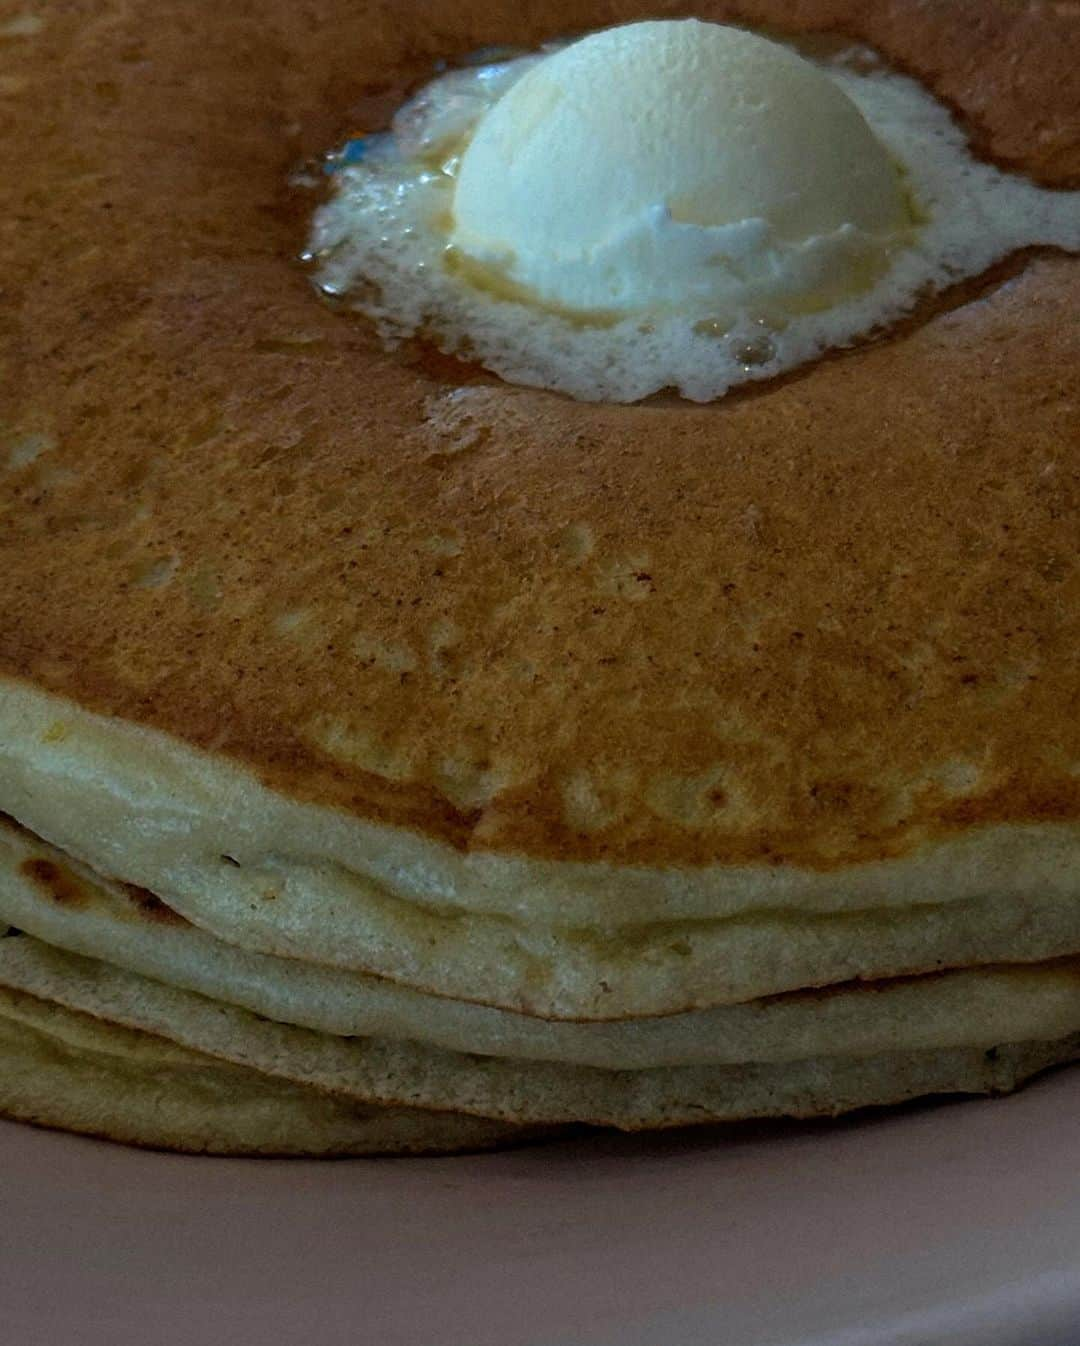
355,745
469,785
575,543
442,638
290,622
582,807
204,589
23,450
688,801
154,573
22,25
381,243
385,655
1014,675
958,778
627,577
444,545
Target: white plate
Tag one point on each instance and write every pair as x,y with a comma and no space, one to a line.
946,1225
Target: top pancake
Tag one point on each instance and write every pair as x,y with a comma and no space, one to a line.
827,621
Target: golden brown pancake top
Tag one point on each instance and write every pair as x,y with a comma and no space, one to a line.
822,621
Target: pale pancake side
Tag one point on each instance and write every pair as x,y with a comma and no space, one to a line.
48,896
560,941
827,623
366,1070
69,1070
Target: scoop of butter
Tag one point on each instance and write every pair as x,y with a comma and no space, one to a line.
675,165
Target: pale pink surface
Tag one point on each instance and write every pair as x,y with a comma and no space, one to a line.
954,1225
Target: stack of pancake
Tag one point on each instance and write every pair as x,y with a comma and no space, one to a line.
397,760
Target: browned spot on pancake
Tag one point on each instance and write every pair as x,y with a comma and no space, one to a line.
57,882
148,904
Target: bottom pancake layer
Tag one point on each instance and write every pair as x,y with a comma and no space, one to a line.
46,894
184,1072
68,1070
118,1017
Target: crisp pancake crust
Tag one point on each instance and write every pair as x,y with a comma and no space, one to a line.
824,623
